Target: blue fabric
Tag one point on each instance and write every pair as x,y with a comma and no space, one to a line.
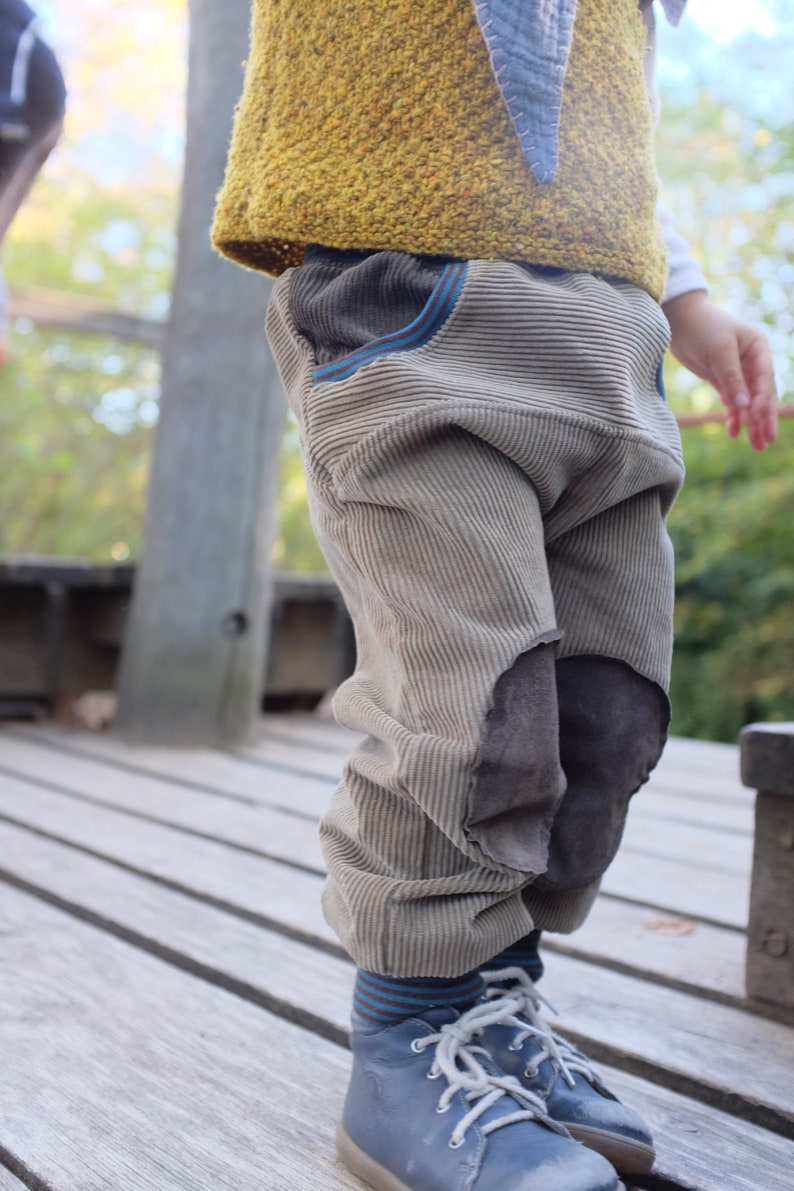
523,954
528,42
381,1000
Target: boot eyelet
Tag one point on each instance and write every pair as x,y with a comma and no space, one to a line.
455,1145
416,1046
442,1108
433,1074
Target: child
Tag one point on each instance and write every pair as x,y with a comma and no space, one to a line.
472,344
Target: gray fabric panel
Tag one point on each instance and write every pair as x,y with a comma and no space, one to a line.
518,781
613,725
341,301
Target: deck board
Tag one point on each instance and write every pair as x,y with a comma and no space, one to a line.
146,884
9,1182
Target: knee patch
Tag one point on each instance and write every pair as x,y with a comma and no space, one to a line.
613,725
518,781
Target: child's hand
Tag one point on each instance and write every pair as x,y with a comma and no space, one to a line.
733,357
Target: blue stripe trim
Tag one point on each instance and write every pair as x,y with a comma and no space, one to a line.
427,323
383,998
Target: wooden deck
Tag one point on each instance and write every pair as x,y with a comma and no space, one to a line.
173,1008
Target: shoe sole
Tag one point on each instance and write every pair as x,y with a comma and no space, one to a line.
359,1163
370,1171
627,1156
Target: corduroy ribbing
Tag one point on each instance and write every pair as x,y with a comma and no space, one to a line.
503,485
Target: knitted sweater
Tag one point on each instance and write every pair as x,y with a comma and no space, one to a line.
378,124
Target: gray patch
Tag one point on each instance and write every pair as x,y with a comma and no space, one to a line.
613,726
518,782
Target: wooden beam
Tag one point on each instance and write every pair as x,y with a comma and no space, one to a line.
767,764
73,312
196,636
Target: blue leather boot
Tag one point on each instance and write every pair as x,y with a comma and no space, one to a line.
572,1091
428,1110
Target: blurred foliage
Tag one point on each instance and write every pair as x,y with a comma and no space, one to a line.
734,538
77,413
726,157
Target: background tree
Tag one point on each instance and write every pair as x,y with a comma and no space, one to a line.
194,648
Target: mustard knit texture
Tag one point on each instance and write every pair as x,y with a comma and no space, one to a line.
377,124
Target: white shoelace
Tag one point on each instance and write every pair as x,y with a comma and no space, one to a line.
529,1024
456,1060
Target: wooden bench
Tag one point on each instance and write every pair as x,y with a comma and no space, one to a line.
767,759
173,1008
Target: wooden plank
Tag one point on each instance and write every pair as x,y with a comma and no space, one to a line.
679,951
210,937
120,1071
688,1134
685,784
280,973
275,834
705,848
271,832
199,769
321,730
222,874
665,884
9,1182
714,1048
290,898
652,805
719,898
666,947
74,312
701,1148
711,755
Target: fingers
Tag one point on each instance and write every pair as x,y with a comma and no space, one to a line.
744,378
761,416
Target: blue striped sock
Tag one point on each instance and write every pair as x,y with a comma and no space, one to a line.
523,954
381,1000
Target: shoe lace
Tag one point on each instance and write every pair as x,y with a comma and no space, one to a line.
458,1061
567,1060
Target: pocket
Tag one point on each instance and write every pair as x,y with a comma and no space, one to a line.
428,322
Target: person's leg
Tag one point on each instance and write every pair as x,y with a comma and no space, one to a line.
437,542
440,468
613,724
30,126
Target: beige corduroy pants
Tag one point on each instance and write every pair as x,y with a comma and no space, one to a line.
490,489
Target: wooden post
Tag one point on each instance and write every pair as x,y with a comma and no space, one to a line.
767,765
193,660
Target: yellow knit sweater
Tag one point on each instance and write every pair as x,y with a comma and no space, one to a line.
378,124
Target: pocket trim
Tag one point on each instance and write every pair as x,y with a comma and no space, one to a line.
427,323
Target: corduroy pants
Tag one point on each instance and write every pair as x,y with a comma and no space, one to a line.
489,485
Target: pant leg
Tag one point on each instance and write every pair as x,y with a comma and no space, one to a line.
439,476
441,563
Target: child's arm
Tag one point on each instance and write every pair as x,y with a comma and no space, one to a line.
732,356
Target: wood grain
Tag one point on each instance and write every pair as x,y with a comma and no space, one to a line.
9,1182
120,1071
689,1134
171,959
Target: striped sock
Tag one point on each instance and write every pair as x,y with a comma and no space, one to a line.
381,1000
523,954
